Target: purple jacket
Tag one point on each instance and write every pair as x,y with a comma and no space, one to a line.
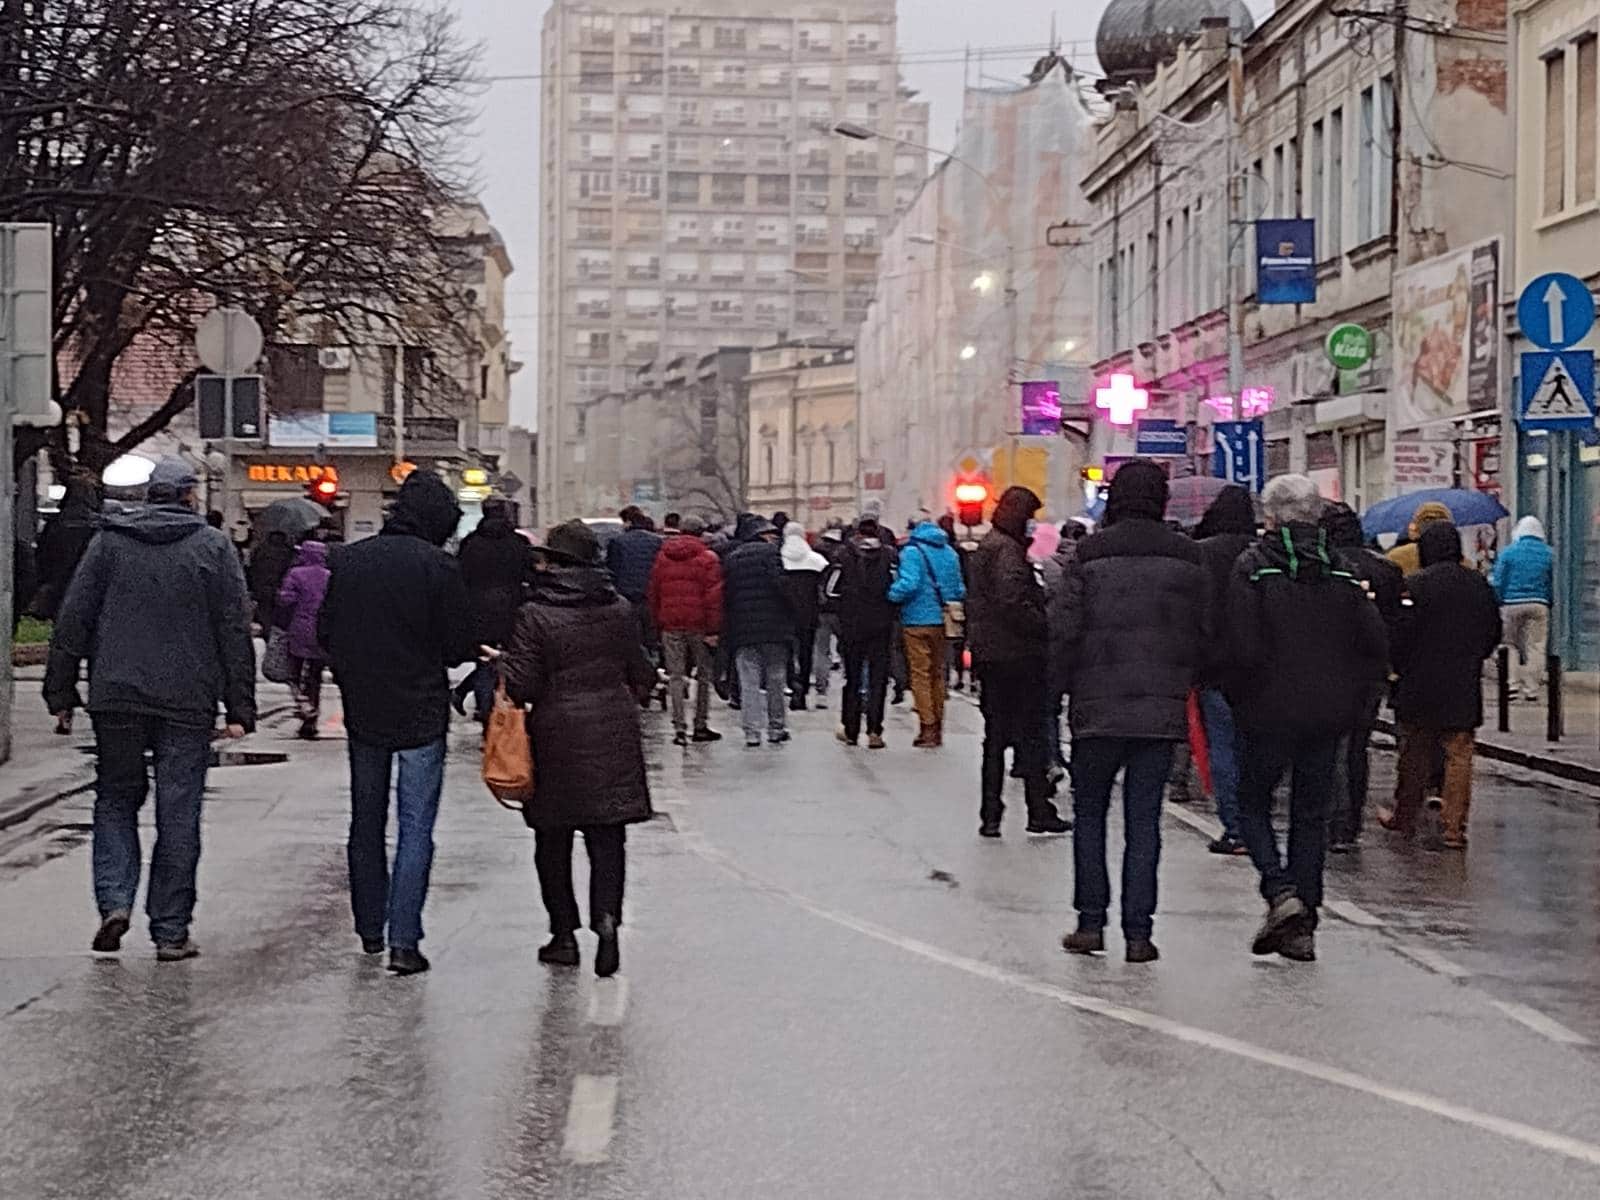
300,599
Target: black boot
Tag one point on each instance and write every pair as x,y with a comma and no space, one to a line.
560,951
407,962
608,958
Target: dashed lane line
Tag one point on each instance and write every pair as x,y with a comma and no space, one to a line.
591,1118
608,1002
1544,1026
1532,1136
1431,960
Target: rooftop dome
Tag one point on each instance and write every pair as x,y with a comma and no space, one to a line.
1136,35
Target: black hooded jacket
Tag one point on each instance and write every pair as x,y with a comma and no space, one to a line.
1226,531
396,617
1005,599
1306,644
496,562
62,544
158,607
1452,625
1384,579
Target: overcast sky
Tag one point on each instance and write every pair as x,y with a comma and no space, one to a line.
933,35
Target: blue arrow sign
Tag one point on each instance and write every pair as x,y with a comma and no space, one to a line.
1557,390
1240,455
1160,439
1555,311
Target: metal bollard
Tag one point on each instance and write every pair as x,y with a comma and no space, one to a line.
1503,690
1553,722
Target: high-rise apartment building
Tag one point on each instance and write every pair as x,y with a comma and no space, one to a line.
694,195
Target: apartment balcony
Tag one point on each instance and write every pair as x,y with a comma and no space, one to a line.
644,274
594,312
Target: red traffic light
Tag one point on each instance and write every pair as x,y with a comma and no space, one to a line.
971,496
971,493
324,489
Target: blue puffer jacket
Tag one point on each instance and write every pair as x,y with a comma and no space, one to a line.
927,557
1522,573
630,558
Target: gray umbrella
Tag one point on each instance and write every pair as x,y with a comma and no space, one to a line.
293,517
1190,496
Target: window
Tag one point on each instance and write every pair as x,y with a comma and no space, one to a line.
861,191
593,304
770,455
772,78
727,189
595,29
596,108
688,112
594,225
1583,174
1319,203
645,70
644,148
771,114
1366,152
731,75
1157,277
593,185
595,147
685,228
772,231
684,72
727,268
643,267
1555,133
772,189
1280,179
1383,158
1334,241
683,268
593,264
644,31
683,187
815,79
865,37
1291,187
594,70
730,230
728,37
816,35
683,305
727,112
683,150
642,185
770,268
773,35
643,108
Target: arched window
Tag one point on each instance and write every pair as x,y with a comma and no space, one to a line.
769,461
833,452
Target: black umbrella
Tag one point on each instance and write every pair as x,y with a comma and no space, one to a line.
292,517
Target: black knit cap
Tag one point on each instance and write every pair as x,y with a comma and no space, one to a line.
1139,489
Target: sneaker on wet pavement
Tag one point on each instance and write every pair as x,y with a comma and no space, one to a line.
1085,941
1299,947
1141,950
177,951
113,926
1051,826
875,742
706,735
407,962
1285,916
680,738
1227,845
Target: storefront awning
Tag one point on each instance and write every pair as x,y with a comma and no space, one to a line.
1359,408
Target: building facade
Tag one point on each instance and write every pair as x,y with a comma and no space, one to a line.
974,300
1388,132
694,195
803,404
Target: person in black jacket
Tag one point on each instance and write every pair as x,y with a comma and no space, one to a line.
496,562
1306,647
395,619
62,543
573,659
1010,642
758,624
866,622
630,558
268,565
1136,625
1385,582
1226,530
158,608
1452,626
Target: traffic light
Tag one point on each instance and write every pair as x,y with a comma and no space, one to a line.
324,489
971,496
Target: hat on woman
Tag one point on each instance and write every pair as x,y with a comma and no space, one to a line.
573,543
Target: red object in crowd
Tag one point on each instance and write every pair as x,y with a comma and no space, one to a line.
685,592
1198,748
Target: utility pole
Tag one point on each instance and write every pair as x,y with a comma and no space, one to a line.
1236,215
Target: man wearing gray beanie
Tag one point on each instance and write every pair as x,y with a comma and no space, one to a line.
158,606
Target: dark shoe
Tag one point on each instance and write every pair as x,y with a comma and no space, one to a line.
958,686
308,731
797,704
108,938
1051,826
843,737
1141,950
609,956
1390,820
779,738
1227,845
1454,841
372,946
925,739
1285,917
458,701
899,696
407,962
989,829
177,951
875,742
560,951
1344,846
680,738
752,741
1299,947
64,724
1085,941
706,735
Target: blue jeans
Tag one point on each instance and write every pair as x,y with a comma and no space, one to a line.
181,753
380,902
1220,739
1309,759
1095,764
762,666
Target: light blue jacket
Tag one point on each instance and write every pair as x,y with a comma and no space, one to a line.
1522,573
913,588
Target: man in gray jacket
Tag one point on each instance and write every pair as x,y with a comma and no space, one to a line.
158,606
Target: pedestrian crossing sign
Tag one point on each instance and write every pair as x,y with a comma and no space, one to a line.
1557,390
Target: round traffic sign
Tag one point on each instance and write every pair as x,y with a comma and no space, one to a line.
1348,347
228,341
1555,311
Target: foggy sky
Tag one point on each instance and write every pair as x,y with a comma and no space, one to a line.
933,35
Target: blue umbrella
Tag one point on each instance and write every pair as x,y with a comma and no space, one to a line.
1466,508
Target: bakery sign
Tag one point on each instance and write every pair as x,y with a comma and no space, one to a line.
290,473
1447,336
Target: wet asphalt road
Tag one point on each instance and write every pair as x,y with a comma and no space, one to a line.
830,987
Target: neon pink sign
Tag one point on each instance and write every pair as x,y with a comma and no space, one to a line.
1121,399
1253,402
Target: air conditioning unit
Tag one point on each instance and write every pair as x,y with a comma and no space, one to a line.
334,358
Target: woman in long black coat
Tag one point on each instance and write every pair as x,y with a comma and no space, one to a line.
575,658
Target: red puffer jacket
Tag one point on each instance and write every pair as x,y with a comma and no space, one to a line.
686,587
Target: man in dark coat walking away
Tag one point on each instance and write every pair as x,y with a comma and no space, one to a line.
573,660
395,619
1136,624
1010,642
866,621
1385,582
630,558
1228,527
1307,646
496,562
268,565
759,623
685,597
62,544
158,607
1452,626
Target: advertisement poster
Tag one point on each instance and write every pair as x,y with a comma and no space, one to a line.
1286,262
1041,408
1447,336
310,430
1419,465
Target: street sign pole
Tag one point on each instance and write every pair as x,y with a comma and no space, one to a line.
229,342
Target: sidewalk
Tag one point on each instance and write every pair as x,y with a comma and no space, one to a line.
46,767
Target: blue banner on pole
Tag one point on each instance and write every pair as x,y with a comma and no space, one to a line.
1286,262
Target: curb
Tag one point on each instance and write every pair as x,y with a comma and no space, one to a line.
1543,763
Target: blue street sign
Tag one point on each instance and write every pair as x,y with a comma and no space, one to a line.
1557,390
1286,262
1160,439
1241,453
1555,311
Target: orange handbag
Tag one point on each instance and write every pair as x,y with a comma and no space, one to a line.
507,752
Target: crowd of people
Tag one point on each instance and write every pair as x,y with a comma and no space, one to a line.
1261,645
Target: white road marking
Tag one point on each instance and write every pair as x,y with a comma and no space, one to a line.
1345,910
1432,960
1516,1131
1542,1025
591,1116
608,1003
1194,821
